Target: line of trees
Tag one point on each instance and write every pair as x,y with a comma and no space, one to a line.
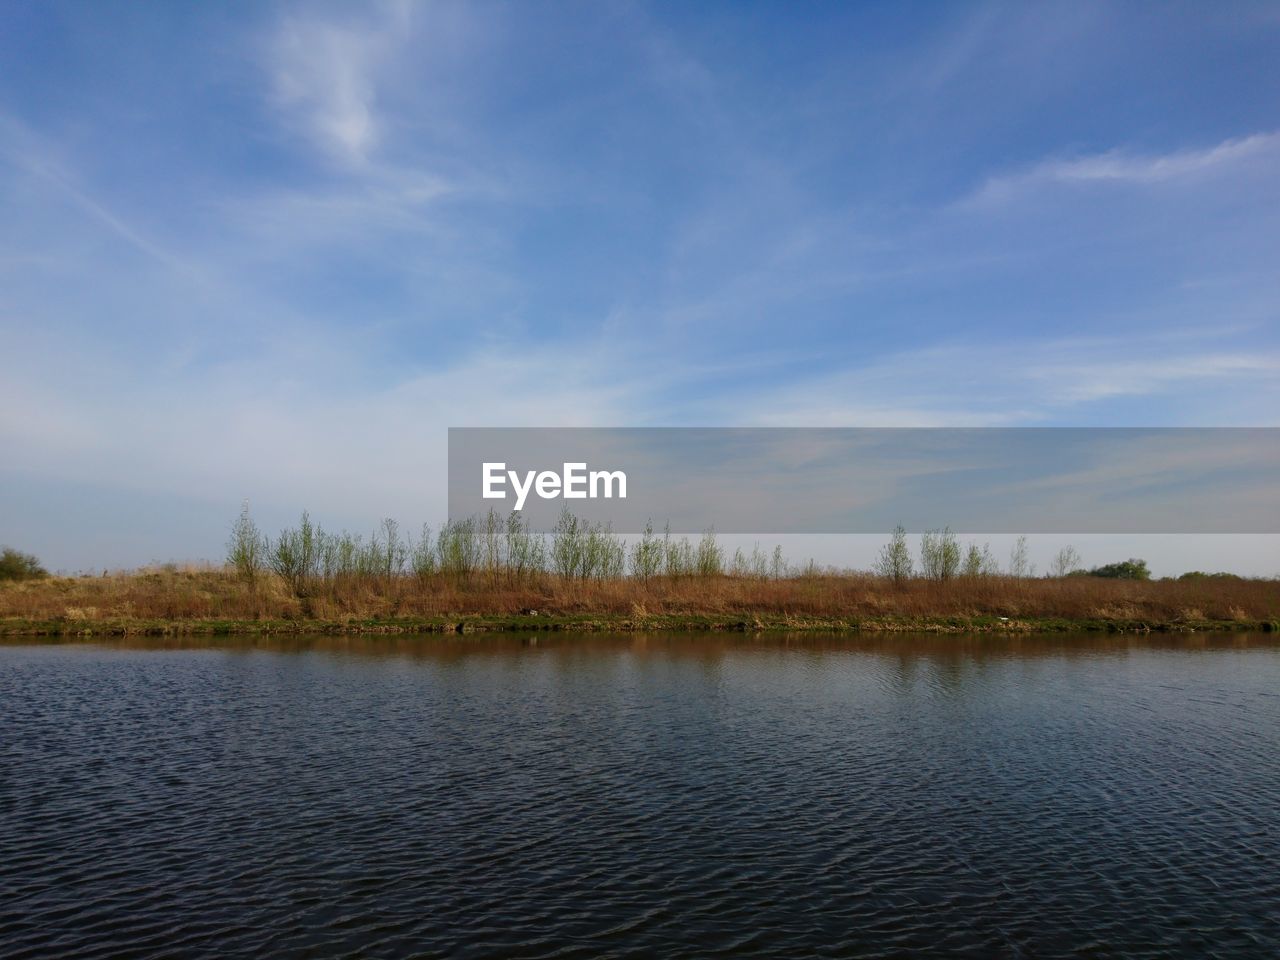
943,558
500,548
491,546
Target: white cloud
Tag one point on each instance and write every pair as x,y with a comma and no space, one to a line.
39,159
232,432
324,75
1012,383
1072,382
1125,167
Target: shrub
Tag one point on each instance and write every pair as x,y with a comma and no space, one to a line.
246,549
939,554
15,565
980,562
568,546
1131,569
526,549
709,560
646,554
1020,564
895,557
390,550
1065,563
458,548
678,559
754,565
296,555
422,555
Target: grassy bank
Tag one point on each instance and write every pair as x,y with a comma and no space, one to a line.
214,601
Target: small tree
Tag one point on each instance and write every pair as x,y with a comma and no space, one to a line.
678,558
778,567
646,554
295,556
710,558
604,555
492,529
568,546
422,555
895,558
1065,563
939,554
246,549
979,562
458,548
393,551
1020,564
525,548
16,565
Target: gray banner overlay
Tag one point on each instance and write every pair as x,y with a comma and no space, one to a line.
867,480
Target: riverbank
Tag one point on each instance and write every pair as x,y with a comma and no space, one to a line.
752,623
207,601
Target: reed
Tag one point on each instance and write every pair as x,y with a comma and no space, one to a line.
220,593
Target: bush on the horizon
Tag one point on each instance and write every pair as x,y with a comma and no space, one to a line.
1131,569
16,565
1201,575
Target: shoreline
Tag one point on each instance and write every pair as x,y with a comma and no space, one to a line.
743,622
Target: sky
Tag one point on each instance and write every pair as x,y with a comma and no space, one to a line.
272,252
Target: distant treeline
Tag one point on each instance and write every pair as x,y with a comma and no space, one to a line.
505,548
494,548
497,567
491,546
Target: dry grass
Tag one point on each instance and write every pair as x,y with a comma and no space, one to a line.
204,593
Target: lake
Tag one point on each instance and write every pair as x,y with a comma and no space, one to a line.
641,795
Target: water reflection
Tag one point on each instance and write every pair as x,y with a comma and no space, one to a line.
702,645
641,795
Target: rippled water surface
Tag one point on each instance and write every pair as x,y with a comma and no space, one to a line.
641,796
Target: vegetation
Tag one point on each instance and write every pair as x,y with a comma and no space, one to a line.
980,562
495,569
1130,569
15,565
895,561
246,550
184,598
1020,564
1065,563
939,555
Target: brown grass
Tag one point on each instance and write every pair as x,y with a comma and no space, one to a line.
205,594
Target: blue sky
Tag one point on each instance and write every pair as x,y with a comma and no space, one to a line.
273,252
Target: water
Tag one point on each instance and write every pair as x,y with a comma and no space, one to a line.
641,796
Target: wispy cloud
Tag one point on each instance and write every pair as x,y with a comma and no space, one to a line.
324,75
1127,167
35,157
1018,383
1068,381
